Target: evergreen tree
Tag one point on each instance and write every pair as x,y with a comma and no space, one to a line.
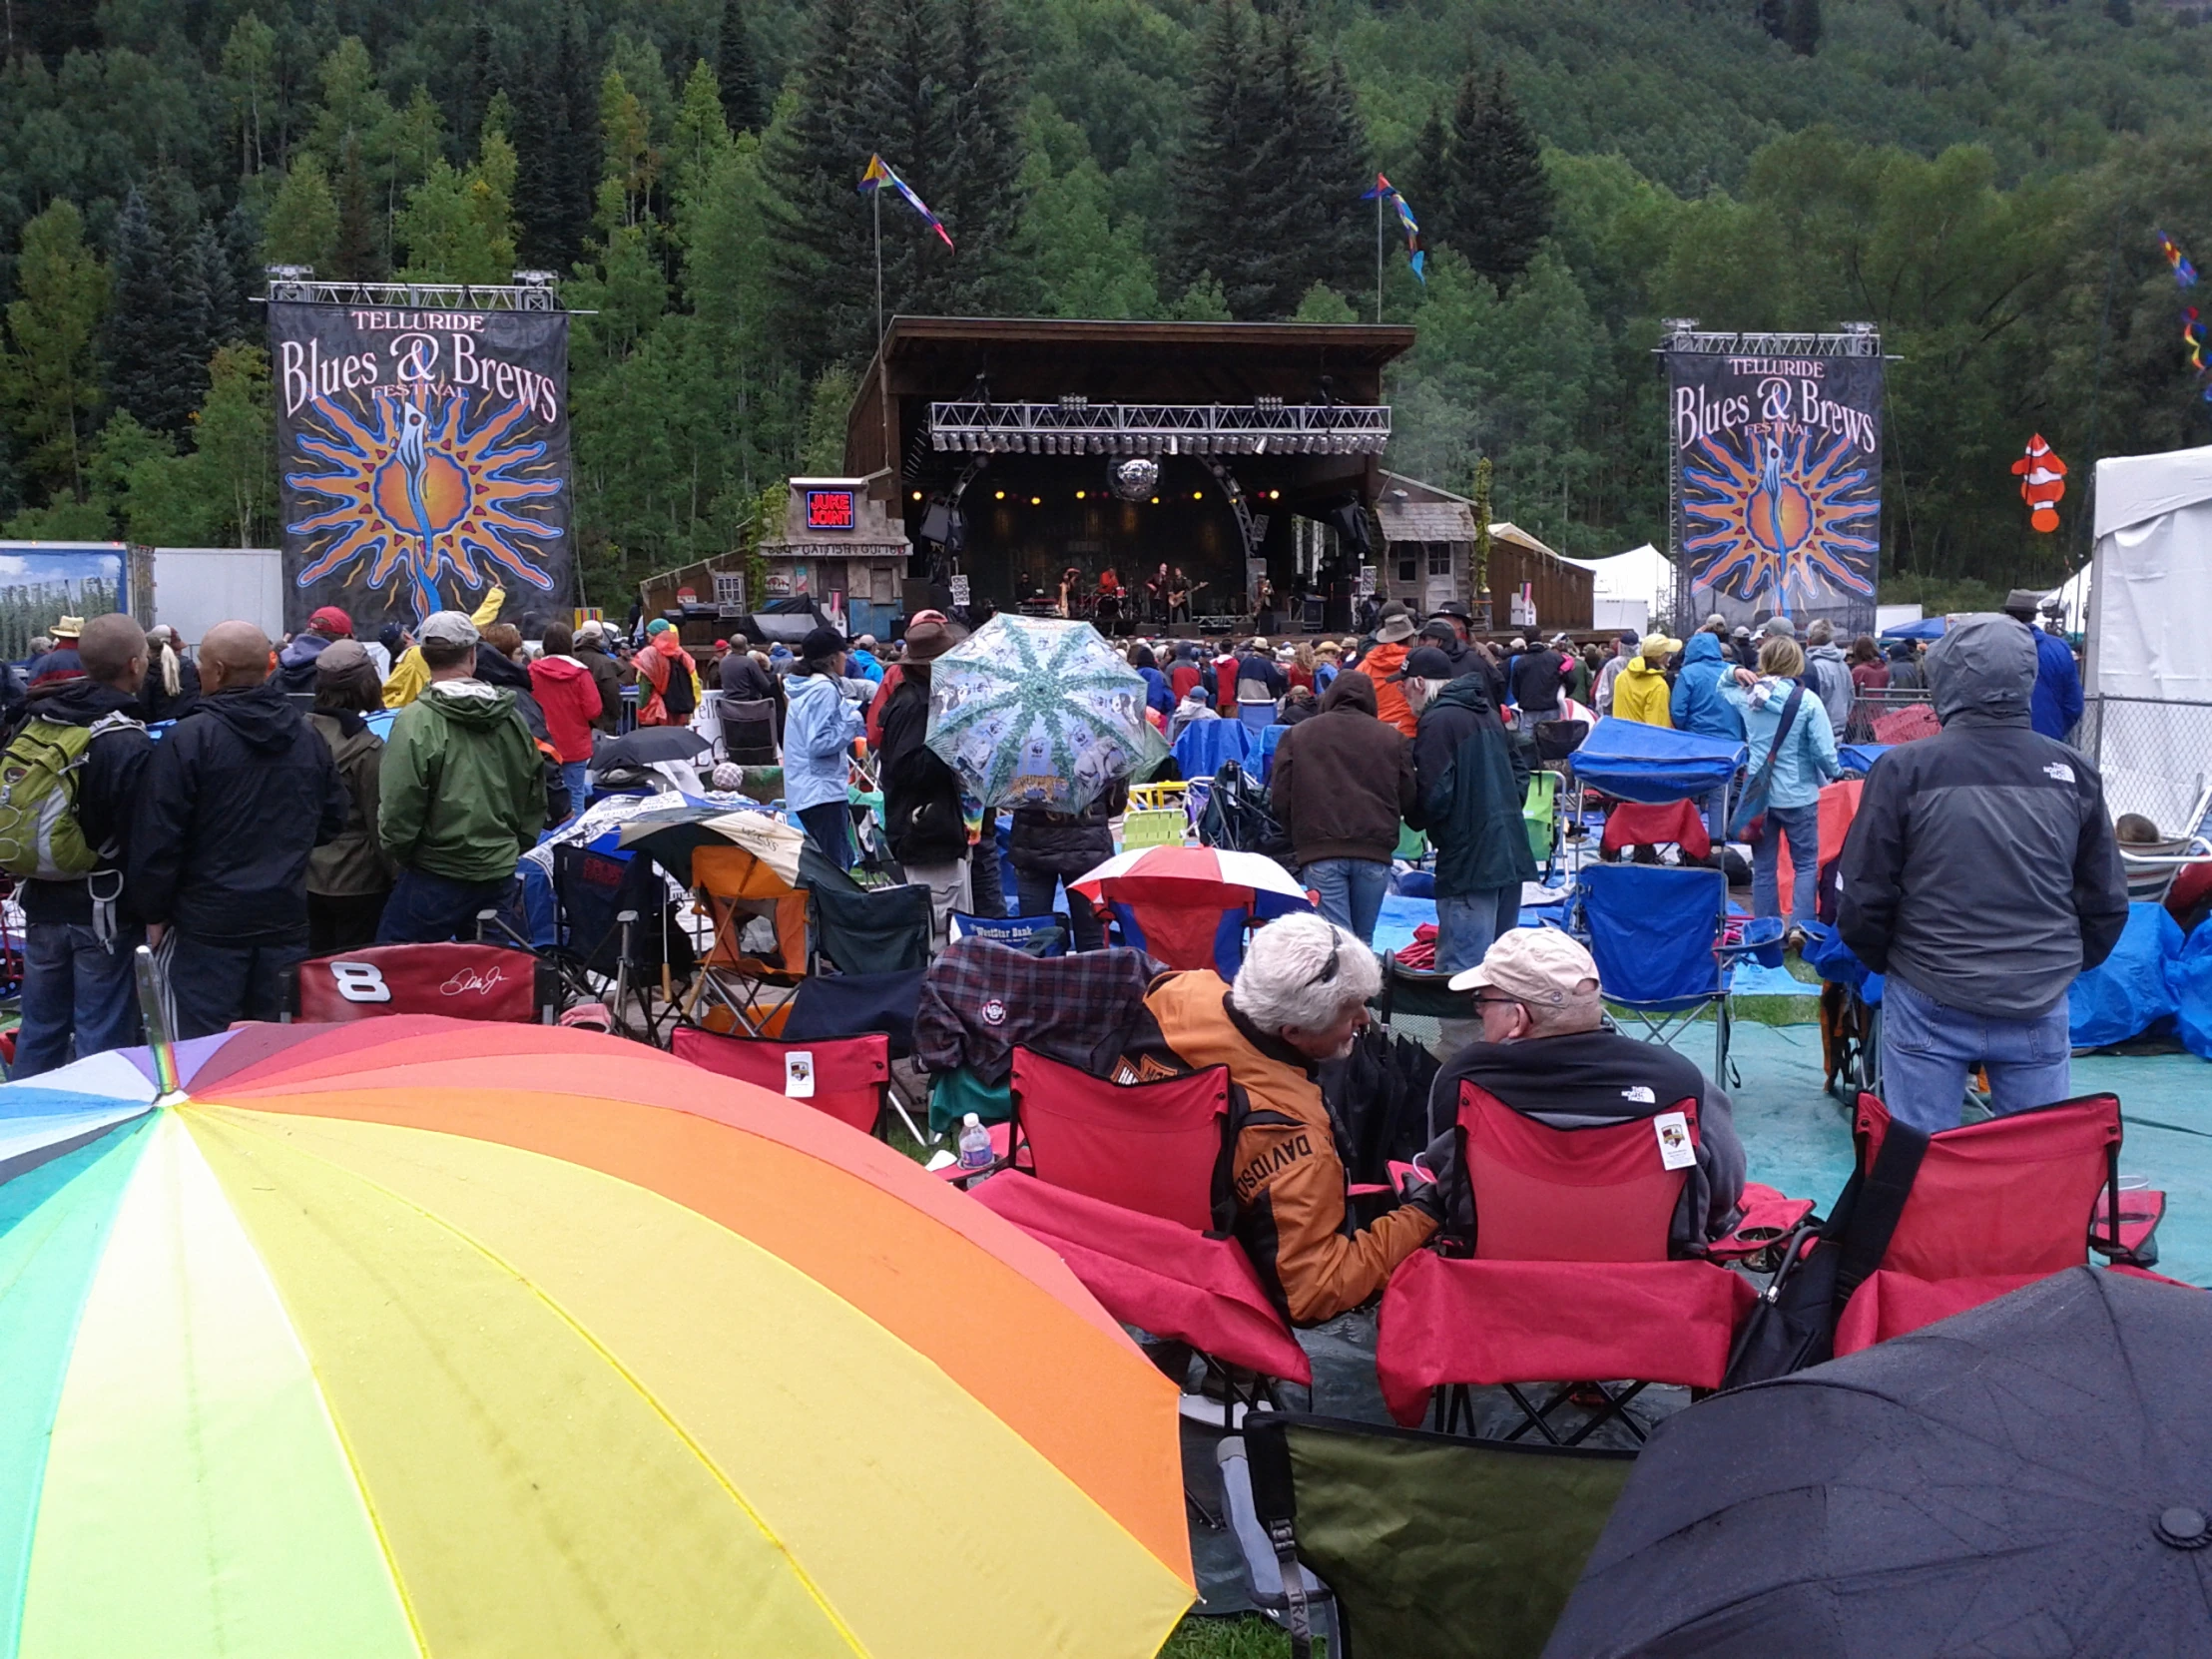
737,74
557,149
979,192
1497,204
356,252
1772,16
219,291
908,107
1216,178
302,224
52,383
824,277
241,257
1427,171
160,330
1802,29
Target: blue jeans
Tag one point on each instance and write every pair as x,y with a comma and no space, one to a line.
213,984
431,910
1928,1051
73,988
830,827
1350,892
1467,924
572,774
1803,826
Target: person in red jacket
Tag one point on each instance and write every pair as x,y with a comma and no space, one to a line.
569,694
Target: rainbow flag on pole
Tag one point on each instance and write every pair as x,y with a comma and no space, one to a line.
1414,256
880,174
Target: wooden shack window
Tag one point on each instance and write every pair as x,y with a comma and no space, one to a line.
1409,561
1439,558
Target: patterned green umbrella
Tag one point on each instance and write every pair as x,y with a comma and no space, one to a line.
1036,712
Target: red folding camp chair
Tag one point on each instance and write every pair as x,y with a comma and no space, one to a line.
1571,1280
1994,1206
461,980
1130,1184
846,1078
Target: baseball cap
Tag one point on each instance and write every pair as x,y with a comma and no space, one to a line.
1537,966
1425,661
659,625
825,641
339,657
1661,645
447,628
1780,626
333,621
1631,640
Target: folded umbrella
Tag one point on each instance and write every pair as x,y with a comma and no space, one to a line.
2034,1477
646,746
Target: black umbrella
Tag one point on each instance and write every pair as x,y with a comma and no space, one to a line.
2032,1477
645,745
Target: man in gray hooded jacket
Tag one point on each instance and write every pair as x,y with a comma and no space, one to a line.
1981,876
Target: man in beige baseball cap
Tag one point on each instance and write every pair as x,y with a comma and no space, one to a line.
1548,1053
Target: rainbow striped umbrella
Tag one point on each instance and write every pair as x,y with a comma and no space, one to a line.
417,1337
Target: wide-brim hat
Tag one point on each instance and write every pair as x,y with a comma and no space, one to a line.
928,641
1394,624
69,628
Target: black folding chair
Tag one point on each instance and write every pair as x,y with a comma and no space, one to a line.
1418,1004
619,925
830,1007
879,930
749,733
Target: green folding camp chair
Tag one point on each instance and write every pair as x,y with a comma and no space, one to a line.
1156,827
1539,812
1412,844
1434,1546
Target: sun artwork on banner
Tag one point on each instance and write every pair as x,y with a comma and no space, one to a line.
1792,520
416,492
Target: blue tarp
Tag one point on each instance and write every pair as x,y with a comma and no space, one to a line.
2189,977
1860,757
2127,993
1651,763
1928,628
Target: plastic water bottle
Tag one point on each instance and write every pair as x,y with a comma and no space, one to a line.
975,1144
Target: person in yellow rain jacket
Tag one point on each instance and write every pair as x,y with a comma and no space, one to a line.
1640,691
409,677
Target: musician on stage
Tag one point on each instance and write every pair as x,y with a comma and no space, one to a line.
1155,596
1178,596
1110,597
1071,584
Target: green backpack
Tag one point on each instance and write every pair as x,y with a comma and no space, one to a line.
39,832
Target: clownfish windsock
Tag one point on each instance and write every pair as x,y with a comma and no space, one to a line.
2043,478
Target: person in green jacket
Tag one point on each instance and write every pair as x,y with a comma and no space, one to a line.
461,793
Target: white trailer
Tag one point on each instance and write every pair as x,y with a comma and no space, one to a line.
196,587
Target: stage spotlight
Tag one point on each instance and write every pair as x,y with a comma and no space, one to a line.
917,495
1155,500
1274,495
1198,495
1036,501
1078,495
998,495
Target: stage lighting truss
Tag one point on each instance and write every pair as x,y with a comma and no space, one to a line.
1076,427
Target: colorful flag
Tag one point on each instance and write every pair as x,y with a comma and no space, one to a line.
878,175
2185,273
1414,256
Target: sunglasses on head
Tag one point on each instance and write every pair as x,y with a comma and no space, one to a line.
1329,968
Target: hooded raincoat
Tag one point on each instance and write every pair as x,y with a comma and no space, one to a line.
1698,705
461,790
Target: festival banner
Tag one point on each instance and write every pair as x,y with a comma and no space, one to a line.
1778,486
425,460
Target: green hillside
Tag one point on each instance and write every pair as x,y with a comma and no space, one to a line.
1981,178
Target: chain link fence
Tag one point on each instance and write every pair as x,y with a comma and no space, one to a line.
2155,756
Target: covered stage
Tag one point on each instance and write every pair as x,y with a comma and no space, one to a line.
1243,457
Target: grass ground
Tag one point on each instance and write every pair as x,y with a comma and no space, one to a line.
1249,1637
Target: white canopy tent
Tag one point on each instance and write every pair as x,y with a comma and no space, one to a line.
1641,573
2150,611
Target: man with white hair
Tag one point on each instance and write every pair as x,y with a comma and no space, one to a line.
1300,998
1547,1053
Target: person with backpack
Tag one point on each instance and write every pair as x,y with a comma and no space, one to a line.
349,879
67,786
1469,780
238,794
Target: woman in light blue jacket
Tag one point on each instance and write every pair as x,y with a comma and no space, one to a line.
1805,761
819,731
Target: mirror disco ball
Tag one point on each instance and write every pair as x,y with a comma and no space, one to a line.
1134,480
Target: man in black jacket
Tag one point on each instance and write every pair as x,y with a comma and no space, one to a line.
1471,780
1539,675
235,796
606,672
1340,784
81,932
1547,1053
1981,876
922,794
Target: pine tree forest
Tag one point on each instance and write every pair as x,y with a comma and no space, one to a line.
1983,178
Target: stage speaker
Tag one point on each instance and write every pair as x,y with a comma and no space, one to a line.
915,594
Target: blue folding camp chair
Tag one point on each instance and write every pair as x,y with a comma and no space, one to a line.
1262,758
1256,716
1205,743
1658,935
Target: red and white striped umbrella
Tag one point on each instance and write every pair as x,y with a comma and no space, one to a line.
1194,874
